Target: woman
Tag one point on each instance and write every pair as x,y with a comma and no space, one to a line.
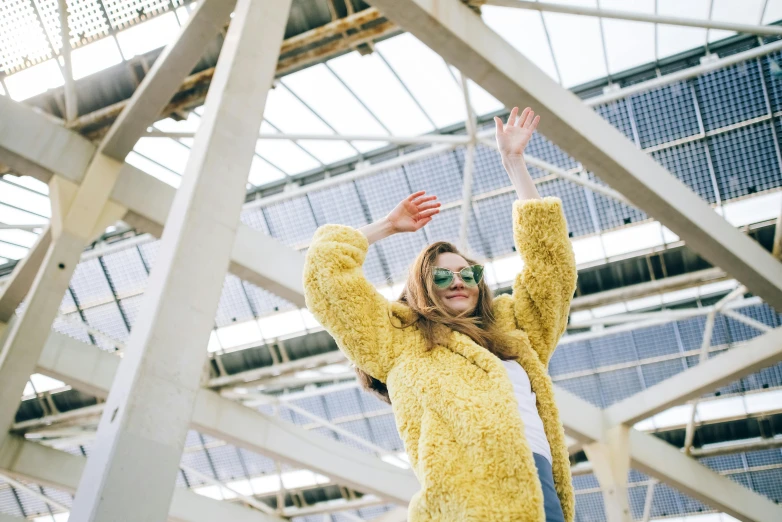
464,373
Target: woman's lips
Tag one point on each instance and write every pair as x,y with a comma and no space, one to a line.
458,296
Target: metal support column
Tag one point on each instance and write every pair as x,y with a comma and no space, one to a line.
131,472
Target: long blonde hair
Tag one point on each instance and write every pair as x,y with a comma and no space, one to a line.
434,321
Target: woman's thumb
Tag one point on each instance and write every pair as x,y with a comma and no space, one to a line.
498,123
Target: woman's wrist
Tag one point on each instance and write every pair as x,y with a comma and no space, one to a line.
516,168
378,230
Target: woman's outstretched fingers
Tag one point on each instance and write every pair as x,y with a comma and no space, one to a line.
529,116
512,116
523,118
534,124
423,199
416,195
428,213
427,206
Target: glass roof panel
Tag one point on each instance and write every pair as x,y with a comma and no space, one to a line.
426,75
144,37
291,116
577,46
18,237
95,57
29,182
744,12
482,102
374,83
34,80
16,216
165,152
673,39
150,167
284,154
170,125
25,199
773,11
12,251
261,172
322,91
531,42
628,44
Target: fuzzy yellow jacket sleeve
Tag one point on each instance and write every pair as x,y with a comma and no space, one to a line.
345,303
543,290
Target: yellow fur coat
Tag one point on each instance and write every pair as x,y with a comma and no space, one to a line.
454,405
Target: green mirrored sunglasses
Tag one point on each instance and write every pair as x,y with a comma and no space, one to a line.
470,275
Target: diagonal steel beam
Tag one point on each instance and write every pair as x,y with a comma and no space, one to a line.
459,35
761,352
50,467
39,147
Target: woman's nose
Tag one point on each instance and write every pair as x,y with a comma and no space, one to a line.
457,281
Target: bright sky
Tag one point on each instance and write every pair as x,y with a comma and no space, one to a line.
403,88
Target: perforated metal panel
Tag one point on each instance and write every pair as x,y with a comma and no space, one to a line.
574,204
488,172
23,41
570,358
540,147
617,115
439,175
665,114
495,215
730,95
611,213
745,160
126,272
619,384
654,373
123,13
689,163
445,227
291,221
339,205
234,306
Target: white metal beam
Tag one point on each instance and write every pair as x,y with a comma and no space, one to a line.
33,144
662,461
763,30
165,77
256,257
461,37
760,352
22,277
91,370
131,472
50,467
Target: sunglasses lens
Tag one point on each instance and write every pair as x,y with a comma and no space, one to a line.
472,275
442,278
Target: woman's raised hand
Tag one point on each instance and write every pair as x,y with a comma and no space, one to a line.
513,137
413,212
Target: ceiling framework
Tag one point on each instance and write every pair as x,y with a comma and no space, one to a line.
91,187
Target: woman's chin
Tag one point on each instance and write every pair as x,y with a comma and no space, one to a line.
459,310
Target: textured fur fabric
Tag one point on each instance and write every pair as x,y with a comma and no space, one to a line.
454,405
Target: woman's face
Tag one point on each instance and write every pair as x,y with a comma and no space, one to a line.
457,298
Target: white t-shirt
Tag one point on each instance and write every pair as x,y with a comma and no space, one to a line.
533,425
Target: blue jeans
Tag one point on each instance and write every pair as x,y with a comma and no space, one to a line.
550,499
